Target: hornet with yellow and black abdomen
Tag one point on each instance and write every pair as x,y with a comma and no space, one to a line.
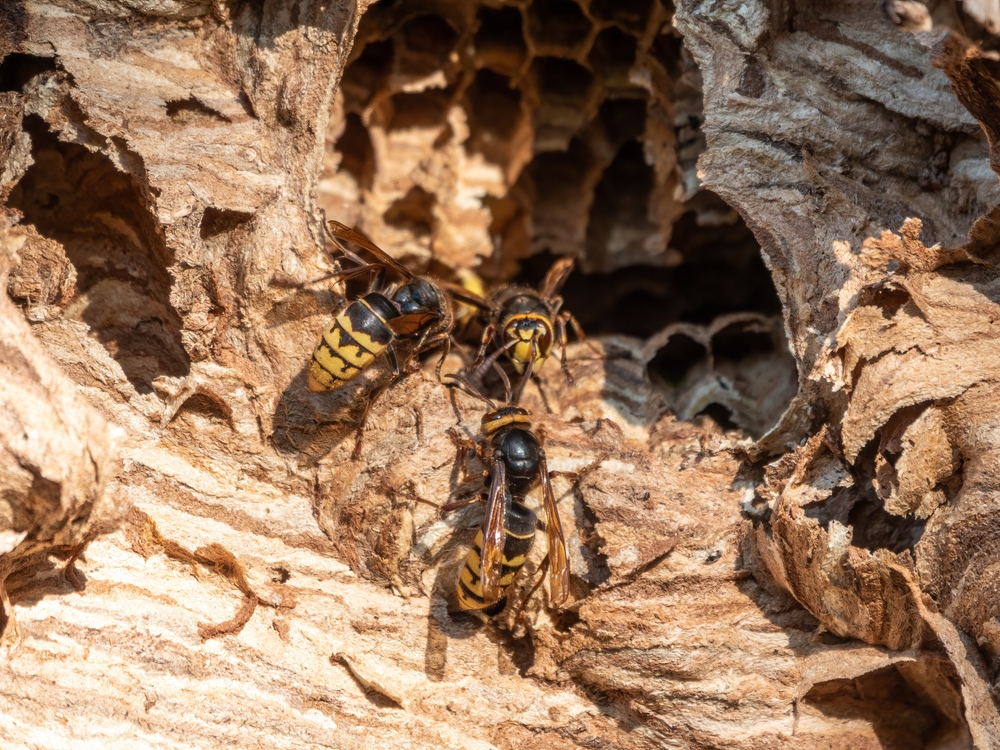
517,465
371,326
529,323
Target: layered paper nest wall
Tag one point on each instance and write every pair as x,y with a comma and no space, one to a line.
784,531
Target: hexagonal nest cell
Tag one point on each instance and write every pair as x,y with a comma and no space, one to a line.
497,136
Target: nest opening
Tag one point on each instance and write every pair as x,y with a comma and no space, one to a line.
859,508
893,700
17,68
190,111
203,413
221,221
108,240
499,40
560,24
357,154
590,115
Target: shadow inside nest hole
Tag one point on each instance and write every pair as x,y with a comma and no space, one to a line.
720,351
894,701
859,508
108,265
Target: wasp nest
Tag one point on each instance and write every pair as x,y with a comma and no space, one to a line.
495,137
744,575
481,133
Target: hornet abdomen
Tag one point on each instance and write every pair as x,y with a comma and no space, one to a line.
357,336
519,534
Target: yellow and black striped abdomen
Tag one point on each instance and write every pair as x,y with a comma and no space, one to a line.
519,534
356,337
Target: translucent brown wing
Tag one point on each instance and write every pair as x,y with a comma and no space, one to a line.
556,277
407,325
491,556
558,559
344,232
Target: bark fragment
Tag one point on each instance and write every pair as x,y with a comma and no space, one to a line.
57,456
